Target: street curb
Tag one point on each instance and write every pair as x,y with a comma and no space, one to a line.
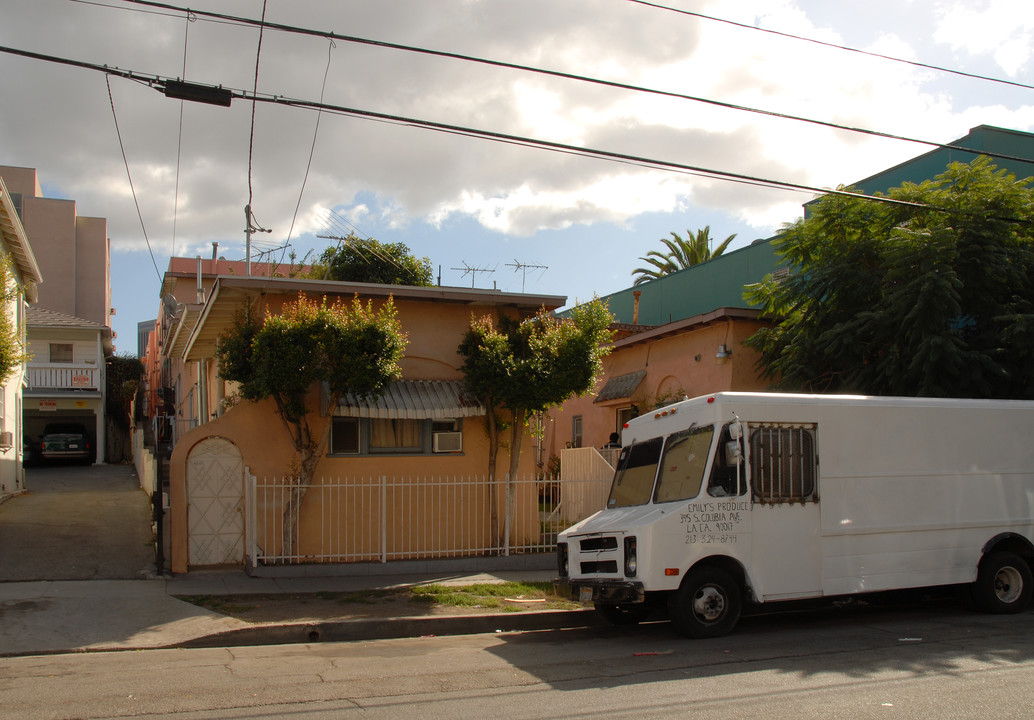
390,628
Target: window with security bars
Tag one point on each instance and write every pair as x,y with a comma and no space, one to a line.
783,464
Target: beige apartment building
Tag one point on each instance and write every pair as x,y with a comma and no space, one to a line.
72,251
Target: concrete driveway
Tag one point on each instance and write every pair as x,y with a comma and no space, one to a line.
77,523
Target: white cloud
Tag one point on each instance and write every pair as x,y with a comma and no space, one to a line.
62,122
1002,28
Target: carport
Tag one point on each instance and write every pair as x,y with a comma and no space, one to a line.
35,421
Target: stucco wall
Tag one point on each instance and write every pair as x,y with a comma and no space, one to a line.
685,362
265,446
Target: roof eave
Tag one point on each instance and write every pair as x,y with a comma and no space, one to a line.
18,244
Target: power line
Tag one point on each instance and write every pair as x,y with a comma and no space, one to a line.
835,46
340,229
565,148
926,66
132,188
312,149
179,141
571,76
159,83
251,136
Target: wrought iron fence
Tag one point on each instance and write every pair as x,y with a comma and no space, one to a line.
384,518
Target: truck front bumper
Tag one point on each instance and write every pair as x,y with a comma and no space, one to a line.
601,591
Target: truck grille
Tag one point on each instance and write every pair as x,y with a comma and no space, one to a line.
598,543
593,567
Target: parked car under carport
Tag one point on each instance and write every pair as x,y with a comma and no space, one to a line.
65,442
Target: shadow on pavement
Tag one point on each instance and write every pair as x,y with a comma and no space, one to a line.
77,523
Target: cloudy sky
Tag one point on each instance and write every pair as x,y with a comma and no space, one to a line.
544,221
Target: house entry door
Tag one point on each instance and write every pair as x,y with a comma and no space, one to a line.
215,496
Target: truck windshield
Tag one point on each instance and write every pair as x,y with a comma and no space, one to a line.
637,468
684,463
682,469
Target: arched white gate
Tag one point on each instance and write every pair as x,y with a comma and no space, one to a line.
215,497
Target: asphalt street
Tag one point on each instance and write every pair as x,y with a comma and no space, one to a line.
921,661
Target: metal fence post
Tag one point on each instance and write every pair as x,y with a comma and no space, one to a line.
250,519
384,518
158,510
506,519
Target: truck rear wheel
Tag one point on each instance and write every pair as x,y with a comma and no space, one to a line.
616,614
707,604
1003,583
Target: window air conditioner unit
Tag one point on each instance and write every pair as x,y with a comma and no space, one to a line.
447,442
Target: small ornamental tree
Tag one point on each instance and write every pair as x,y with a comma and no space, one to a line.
519,369
352,348
930,298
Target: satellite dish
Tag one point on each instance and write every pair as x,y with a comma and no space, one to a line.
172,308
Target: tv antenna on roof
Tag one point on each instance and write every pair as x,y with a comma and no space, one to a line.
518,265
472,271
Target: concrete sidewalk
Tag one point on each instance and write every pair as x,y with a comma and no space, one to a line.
46,617
77,575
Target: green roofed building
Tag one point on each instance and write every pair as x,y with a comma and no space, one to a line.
682,333
719,283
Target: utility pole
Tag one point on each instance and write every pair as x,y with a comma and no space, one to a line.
249,228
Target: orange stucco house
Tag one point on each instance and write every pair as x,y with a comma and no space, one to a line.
403,475
653,366
677,336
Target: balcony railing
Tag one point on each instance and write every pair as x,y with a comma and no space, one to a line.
62,377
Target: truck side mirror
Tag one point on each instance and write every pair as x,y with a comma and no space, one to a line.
733,453
735,430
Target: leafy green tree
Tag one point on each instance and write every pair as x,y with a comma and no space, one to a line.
520,368
367,260
12,349
124,377
930,297
354,349
681,254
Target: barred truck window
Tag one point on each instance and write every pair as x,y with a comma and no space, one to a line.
783,464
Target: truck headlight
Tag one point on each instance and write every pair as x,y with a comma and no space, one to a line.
631,561
561,560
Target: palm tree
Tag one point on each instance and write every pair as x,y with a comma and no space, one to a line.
695,249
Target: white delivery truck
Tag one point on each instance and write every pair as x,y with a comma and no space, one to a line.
752,497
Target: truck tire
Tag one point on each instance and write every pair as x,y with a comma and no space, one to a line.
616,614
1003,584
707,604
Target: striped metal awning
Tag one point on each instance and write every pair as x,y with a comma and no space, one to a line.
415,400
620,387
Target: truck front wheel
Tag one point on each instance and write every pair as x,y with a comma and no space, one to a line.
707,604
1003,583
